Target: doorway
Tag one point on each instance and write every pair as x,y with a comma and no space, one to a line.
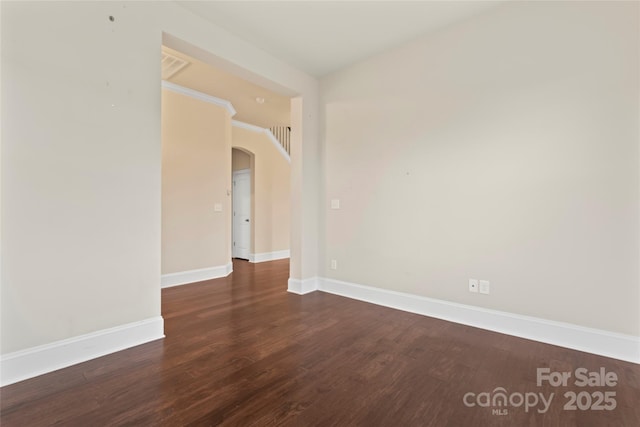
241,214
259,230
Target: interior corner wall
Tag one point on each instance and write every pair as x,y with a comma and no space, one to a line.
504,148
196,170
271,181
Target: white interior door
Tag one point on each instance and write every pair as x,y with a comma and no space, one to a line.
241,214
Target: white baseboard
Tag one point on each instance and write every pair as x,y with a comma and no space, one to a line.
29,363
269,256
302,287
596,341
191,276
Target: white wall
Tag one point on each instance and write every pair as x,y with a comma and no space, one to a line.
503,148
81,179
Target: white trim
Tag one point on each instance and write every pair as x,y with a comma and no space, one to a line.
596,341
191,276
277,144
267,132
247,126
29,363
269,256
199,95
302,287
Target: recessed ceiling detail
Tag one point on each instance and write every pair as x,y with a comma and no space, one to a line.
171,65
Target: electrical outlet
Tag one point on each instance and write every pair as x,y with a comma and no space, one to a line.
473,285
334,264
485,287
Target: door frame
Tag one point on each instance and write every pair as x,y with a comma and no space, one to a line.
235,174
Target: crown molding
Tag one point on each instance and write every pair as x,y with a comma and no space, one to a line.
247,126
232,111
199,95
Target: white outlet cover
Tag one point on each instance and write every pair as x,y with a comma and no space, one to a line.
217,207
334,264
473,285
335,203
485,287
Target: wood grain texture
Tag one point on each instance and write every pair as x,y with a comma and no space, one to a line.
241,351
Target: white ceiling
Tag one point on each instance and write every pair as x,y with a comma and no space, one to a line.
320,37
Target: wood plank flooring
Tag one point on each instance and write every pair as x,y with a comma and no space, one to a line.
241,351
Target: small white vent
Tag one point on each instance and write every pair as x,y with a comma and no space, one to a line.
171,65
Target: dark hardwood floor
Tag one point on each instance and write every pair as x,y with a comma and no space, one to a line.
241,351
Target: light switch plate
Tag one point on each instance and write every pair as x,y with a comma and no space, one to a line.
217,207
335,203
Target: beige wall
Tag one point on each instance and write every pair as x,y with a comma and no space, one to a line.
240,160
271,189
81,179
80,170
197,39
503,148
196,160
